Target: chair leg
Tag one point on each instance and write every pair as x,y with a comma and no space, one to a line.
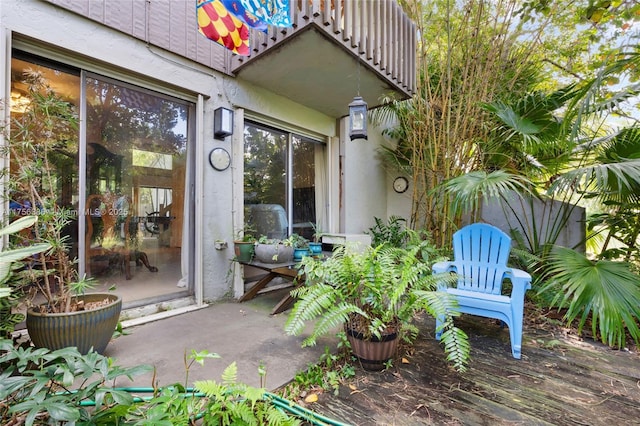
515,333
439,324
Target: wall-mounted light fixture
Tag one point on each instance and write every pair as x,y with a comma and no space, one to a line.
358,119
222,123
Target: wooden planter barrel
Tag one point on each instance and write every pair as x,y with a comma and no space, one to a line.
373,353
82,329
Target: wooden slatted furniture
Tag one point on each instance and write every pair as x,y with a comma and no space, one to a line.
481,252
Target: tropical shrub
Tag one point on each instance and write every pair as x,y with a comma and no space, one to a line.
372,292
43,387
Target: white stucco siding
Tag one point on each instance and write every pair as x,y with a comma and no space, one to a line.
364,187
273,107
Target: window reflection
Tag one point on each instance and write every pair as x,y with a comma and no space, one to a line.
136,156
282,182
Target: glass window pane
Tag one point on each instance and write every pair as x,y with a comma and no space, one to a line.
63,159
136,169
265,160
276,186
304,187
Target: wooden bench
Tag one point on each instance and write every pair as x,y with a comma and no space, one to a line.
481,252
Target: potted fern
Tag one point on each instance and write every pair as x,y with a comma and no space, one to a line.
40,140
374,295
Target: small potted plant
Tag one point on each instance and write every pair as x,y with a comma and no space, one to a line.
274,250
316,245
244,245
373,295
300,246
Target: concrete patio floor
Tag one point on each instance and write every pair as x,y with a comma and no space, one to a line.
242,332
560,380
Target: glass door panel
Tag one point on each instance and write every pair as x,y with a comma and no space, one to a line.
135,169
265,195
64,160
304,187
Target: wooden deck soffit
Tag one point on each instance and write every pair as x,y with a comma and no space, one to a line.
334,48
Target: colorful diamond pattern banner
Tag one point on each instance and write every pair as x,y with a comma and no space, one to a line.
235,7
216,23
273,12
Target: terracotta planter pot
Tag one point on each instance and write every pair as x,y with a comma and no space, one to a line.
374,353
82,329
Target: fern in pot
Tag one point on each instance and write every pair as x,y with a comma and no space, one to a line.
373,295
40,140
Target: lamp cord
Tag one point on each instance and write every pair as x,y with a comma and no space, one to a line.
358,69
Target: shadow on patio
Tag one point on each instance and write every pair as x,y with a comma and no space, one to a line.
241,332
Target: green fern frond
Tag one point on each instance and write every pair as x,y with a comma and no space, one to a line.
331,319
456,346
230,374
210,388
313,305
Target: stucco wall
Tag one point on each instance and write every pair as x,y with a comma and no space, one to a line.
531,217
364,185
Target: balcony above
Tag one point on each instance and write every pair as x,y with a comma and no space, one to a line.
335,50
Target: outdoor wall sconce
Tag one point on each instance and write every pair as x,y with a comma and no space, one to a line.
358,119
222,123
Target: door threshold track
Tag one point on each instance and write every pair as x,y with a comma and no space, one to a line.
155,312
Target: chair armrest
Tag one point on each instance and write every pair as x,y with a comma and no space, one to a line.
440,267
520,280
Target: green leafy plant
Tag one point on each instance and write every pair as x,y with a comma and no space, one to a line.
35,139
327,374
10,270
40,387
393,232
230,402
317,232
296,241
246,235
372,292
603,292
43,387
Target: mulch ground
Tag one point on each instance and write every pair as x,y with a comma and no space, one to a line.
562,379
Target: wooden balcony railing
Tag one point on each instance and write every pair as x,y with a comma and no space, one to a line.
378,31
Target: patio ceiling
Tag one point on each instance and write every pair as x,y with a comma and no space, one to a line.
314,70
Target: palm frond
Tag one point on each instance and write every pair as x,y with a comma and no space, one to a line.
469,190
606,292
600,178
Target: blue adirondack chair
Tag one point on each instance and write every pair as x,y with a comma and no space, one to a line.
480,260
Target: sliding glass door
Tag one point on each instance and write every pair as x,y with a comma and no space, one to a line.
283,176
126,177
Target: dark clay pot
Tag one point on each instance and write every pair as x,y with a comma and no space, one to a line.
82,329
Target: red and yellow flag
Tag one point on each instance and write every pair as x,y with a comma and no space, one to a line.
216,23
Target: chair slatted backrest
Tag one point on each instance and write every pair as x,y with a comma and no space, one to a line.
481,252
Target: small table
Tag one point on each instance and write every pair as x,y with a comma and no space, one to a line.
286,270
